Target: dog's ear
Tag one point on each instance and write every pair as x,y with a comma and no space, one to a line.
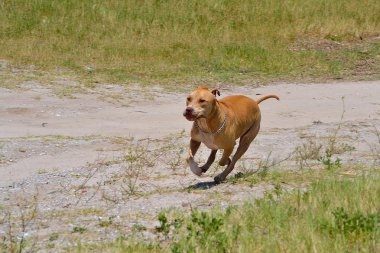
215,92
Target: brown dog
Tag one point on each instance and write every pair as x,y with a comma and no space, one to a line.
219,123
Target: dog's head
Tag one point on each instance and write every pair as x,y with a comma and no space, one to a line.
200,103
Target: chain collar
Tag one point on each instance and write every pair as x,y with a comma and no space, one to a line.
220,129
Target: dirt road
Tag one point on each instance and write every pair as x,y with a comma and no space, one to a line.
73,153
37,113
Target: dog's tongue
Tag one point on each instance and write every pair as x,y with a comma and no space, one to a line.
194,167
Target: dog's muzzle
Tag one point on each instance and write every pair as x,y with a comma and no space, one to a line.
189,114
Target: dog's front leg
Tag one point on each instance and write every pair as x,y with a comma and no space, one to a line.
210,160
194,146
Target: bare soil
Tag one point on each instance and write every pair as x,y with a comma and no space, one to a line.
111,165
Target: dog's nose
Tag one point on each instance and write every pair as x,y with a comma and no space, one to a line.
188,110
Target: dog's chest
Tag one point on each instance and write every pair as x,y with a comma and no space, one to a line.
208,140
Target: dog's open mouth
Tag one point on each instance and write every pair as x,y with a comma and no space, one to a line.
190,117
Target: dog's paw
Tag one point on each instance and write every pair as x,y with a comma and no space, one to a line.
219,179
194,167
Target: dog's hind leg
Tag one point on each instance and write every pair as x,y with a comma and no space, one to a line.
245,142
210,160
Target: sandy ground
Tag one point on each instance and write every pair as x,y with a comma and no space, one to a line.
71,153
24,116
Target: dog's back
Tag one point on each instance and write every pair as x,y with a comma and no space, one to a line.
243,112
241,106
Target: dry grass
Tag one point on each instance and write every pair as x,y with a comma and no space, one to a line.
161,41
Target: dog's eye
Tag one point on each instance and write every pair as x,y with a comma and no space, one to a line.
202,100
188,99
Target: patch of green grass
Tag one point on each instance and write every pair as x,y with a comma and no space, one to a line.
67,91
79,230
138,227
328,161
53,237
335,214
192,41
106,222
55,137
90,211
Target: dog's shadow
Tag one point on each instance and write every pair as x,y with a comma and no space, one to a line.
202,186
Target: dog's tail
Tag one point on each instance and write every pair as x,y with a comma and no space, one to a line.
258,101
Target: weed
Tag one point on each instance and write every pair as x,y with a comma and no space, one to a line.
374,147
106,223
177,160
18,225
78,229
42,171
357,223
307,152
354,227
278,190
173,151
311,150
262,173
50,245
54,237
138,227
328,161
90,211
332,141
263,167
164,226
135,160
205,231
